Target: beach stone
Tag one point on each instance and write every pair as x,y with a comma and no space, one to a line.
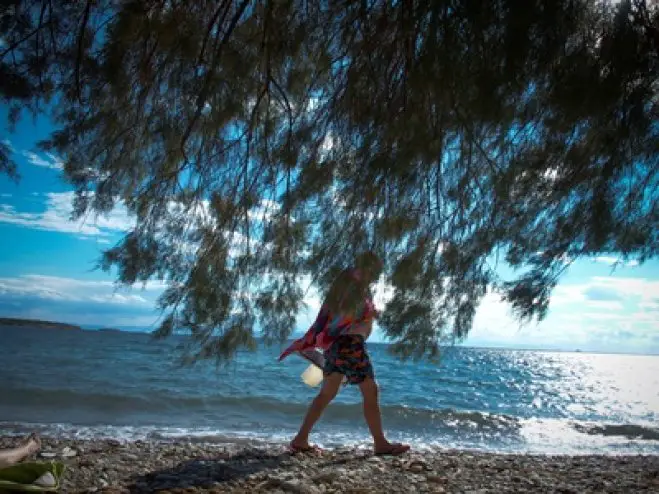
134,469
300,488
417,465
294,486
326,477
166,477
46,480
283,476
68,452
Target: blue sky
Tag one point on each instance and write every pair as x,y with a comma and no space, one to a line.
47,272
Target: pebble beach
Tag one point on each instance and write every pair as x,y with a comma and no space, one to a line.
111,466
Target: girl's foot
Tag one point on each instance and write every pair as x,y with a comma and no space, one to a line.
391,449
299,447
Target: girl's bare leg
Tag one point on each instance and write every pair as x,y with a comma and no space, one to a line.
373,416
327,393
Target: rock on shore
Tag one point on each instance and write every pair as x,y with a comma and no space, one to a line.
107,466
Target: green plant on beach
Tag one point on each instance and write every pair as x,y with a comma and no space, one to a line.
258,144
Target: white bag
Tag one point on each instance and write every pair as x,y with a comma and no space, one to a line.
313,376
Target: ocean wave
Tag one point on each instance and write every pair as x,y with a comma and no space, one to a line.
249,407
54,398
217,418
135,433
598,439
628,431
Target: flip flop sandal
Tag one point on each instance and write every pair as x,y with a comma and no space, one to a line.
309,449
394,450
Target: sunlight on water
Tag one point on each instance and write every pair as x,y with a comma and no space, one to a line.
596,386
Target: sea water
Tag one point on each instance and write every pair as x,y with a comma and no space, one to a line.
125,385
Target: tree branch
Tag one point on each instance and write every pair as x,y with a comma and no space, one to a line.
203,95
81,37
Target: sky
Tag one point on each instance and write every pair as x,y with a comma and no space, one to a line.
47,271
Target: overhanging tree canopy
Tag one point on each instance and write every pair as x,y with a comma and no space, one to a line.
258,142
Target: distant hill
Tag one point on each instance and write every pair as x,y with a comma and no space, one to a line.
117,329
37,324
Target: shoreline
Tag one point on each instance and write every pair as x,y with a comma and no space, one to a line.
111,466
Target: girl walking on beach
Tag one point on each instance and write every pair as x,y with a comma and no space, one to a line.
343,325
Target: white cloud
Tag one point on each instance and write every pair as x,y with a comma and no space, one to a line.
605,289
494,320
8,143
605,305
61,289
602,294
57,217
642,288
265,210
50,161
651,304
58,207
551,174
117,298
329,141
602,313
614,261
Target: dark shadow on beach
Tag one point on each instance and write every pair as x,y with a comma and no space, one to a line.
219,471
